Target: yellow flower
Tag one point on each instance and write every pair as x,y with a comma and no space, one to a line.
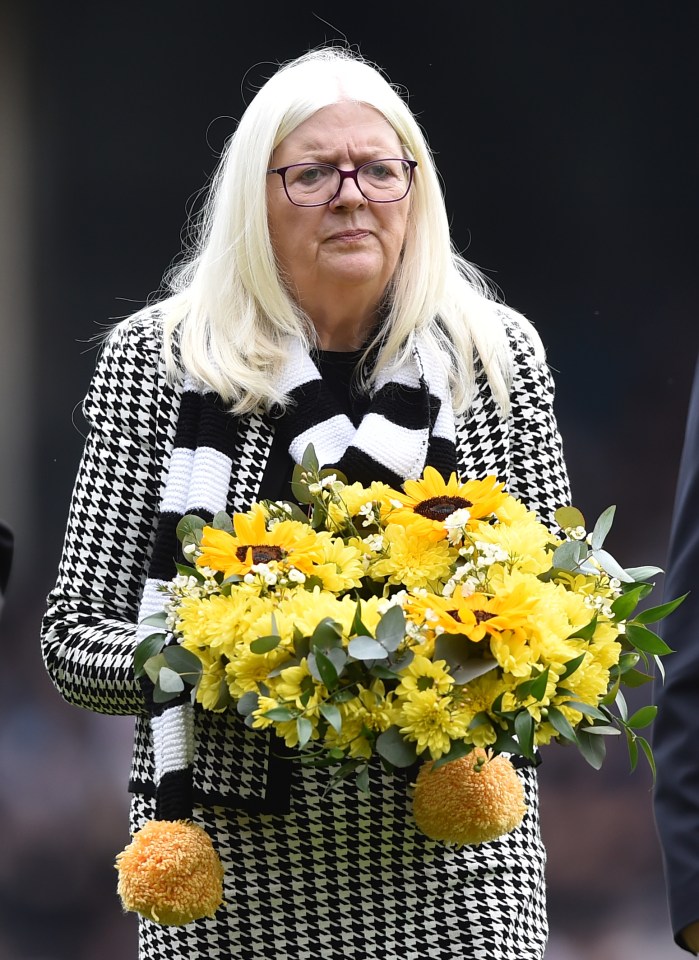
246,670
209,688
251,543
357,501
431,721
411,560
341,568
370,712
525,541
424,674
428,502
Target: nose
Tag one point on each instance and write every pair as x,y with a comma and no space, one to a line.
349,196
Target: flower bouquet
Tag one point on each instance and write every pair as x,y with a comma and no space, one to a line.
441,625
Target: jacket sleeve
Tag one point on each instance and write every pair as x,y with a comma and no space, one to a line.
88,629
538,471
676,728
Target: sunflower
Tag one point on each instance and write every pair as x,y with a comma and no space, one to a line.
294,544
428,502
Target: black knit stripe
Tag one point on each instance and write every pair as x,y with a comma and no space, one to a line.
167,549
441,454
174,795
217,427
359,467
188,420
404,405
311,404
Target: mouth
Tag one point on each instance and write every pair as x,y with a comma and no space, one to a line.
348,236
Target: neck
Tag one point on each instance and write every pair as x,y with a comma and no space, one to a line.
343,325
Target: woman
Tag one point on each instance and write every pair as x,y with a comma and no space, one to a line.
324,301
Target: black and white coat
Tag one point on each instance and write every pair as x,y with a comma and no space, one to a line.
89,628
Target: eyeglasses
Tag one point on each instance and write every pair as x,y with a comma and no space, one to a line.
314,184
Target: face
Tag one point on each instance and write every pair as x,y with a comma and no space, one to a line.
349,242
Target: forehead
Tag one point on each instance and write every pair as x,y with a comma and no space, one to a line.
348,124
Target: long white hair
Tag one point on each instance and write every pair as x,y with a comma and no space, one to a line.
230,311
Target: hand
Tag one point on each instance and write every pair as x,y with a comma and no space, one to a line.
690,936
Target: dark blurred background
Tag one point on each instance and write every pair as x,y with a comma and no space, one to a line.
566,136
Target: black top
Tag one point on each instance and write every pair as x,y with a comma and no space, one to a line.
337,369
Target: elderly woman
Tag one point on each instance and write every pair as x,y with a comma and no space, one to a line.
323,302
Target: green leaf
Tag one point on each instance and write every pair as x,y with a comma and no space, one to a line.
457,651
458,749
569,517
392,747
643,573
561,724
304,730
610,566
309,460
536,687
153,666
366,648
332,715
390,630
328,633
593,749
642,717
156,619
265,644
163,696
569,555
278,714
363,778
648,751
585,633
603,729
633,749
169,681
185,570
586,708
625,604
248,703
602,528
222,521
524,728
190,527
572,666
358,628
322,668
643,639
183,662
148,647
653,614
635,678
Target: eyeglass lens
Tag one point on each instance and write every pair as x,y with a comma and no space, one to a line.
316,183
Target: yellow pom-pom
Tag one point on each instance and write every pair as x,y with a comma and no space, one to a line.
468,801
170,873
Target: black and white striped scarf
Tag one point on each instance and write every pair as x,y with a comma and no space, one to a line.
408,425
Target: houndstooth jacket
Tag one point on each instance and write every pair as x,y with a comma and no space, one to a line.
88,630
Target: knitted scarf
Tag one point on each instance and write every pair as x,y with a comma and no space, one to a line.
409,424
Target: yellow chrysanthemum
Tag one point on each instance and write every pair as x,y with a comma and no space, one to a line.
526,542
411,560
424,674
427,502
235,553
341,568
356,500
431,721
217,621
371,711
209,688
246,670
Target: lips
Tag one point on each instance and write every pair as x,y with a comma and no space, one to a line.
349,235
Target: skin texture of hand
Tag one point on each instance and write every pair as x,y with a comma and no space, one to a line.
690,935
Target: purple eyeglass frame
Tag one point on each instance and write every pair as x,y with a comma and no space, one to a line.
345,175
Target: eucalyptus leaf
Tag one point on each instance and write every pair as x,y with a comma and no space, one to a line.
328,633
156,619
278,714
570,555
149,647
476,667
568,518
366,648
300,491
363,778
643,573
153,666
248,703
163,696
309,460
610,566
304,730
222,521
390,630
332,715
190,526
399,752
602,528
358,628
183,662
169,681
264,644
322,668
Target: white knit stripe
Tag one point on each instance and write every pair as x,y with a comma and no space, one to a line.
402,450
177,484
444,426
298,369
151,602
173,739
330,439
210,480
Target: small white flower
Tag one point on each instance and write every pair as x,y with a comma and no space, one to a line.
296,576
189,550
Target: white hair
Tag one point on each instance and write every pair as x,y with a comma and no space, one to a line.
230,312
